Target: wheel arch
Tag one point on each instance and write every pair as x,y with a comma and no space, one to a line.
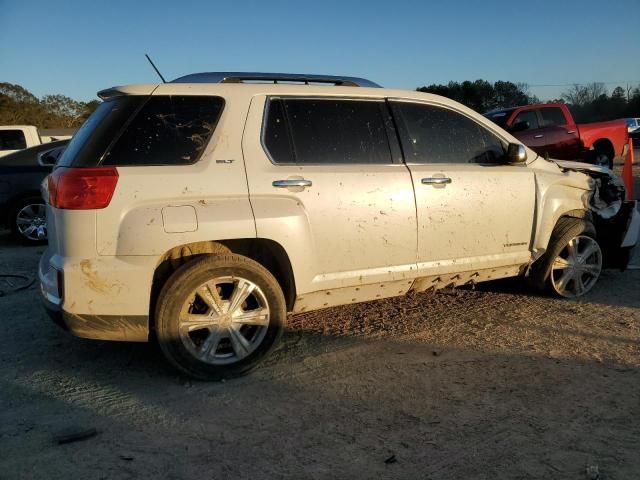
266,252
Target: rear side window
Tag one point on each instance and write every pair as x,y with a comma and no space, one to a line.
552,117
167,130
12,140
327,131
431,134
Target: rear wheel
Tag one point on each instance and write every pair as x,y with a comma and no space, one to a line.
219,316
603,160
573,263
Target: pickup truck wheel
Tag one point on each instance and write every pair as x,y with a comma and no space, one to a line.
217,317
603,159
573,263
28,220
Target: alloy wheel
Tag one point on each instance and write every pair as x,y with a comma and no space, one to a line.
224,320
31,222
577,267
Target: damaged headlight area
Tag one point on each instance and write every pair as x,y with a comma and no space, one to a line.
613,217
607,195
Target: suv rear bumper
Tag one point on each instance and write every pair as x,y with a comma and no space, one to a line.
127,328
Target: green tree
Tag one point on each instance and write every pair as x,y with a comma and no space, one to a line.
483,96
19,106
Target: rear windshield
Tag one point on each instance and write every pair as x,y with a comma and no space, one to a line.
137,130
12,140
91,141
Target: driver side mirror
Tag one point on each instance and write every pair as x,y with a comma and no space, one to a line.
519,127
516,153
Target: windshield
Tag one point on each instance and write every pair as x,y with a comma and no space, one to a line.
96,134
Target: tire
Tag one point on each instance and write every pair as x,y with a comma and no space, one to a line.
572,264
603,158
28,221
199,330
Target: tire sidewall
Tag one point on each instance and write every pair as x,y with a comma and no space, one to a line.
566,229
184,281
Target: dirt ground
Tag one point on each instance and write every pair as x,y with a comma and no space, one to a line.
492,383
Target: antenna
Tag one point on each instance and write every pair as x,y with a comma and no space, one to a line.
155,68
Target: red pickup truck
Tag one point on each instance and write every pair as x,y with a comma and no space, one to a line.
550,129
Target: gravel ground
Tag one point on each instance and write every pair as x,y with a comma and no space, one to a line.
489,383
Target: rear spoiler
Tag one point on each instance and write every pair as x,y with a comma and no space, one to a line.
119,91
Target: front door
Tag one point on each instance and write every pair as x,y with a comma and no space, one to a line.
474,211
327,182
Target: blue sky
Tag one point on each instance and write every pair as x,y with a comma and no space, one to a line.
77,48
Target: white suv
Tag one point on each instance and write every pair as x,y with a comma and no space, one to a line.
202,210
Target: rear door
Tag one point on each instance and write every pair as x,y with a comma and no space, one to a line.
327,182
474,211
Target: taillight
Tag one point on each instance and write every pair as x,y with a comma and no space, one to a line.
82,188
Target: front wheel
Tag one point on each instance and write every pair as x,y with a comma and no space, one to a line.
219,316
573,262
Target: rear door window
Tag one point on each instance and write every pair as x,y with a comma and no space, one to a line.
552,117
12,140
167,130
432,134
327,131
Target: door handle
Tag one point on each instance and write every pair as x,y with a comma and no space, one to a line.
436,180
297,182
571,132
538,136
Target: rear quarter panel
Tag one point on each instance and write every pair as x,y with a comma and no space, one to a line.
615,131
214,189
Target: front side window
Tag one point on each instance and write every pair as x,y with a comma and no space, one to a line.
326,131
167,130
528,116
552,117
12,140
431,134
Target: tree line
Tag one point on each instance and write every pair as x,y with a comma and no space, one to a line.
588,103
18,106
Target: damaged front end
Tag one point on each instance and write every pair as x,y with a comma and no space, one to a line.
617,220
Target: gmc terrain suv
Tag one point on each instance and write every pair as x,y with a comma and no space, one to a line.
202,210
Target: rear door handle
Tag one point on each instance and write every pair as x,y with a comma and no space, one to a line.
436,180
539,136
297,182
571,132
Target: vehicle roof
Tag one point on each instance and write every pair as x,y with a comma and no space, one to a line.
242,77
15,127
252,89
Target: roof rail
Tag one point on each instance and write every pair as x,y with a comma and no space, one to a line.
240,77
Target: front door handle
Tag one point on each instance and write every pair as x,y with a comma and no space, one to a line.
436,180
571,132
539,136
292,182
